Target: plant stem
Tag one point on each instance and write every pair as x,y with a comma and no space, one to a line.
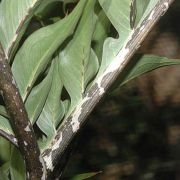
20,122
66,131
9,137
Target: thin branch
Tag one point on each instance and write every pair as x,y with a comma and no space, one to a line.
72,124
9,137
20,122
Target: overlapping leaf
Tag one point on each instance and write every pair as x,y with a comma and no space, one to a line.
119,13
30,63
78,63
5,125
45,7
138,9
10,170
3,111
46,3
16,172
101,33
53,110
4,171
4,155
14,18
38,49
37,98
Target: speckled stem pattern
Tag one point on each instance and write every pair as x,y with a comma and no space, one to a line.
73,123
20,123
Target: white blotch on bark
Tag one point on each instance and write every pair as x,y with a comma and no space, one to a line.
27,128
43,168
151,15
48,161
75,124
25,143
58,142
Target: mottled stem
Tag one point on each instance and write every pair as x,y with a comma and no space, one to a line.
20,123
73,123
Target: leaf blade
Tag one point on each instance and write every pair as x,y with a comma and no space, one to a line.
37,50
14,17
146,64
74,64
37,98
53,110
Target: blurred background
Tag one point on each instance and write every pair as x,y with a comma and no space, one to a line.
134,132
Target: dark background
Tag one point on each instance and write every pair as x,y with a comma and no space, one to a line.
134,133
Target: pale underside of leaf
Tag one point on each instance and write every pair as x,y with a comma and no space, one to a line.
101,33
138,10
114,50
118,13
14,17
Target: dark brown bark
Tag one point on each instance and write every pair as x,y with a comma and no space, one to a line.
19,121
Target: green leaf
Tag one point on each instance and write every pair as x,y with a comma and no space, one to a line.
118,13
14,18
75,58
37,98
100,33
36,52
17,171
92,68
3,111
12,170
66,104
45,7
4,171
138,9
144,9
85,176
53,110
4,150
5,125
144,64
